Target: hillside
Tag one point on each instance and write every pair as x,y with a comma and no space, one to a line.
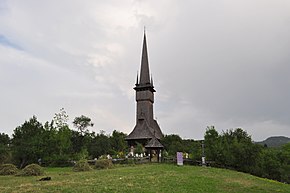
144,178
276,141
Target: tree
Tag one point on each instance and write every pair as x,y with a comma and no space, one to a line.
118,143
270,164
232,149
172,144
139,148
28,142
4,148
61,119
82,122
285,159
100,145
212,142
56,144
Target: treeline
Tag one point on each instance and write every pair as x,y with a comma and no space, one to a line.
55,144
234,149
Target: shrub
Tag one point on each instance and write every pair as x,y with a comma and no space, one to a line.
127,161
31,170
8,169
104,164
58,161
81,166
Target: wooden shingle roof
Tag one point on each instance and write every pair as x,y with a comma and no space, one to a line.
142,130
154,143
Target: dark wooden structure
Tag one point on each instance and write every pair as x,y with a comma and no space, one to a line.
146,131
154,148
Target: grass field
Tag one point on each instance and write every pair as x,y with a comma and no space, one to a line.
143,178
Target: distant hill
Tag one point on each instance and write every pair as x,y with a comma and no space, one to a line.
276,141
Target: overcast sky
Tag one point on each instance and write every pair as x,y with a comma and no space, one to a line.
214,62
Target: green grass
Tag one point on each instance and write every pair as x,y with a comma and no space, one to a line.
144,178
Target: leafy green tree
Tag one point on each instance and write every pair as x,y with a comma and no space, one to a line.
232,149
212,142
81,140
172,144
285,163
139,148
286,154
188,145
57,143
270,164
28,142
196,152
118,143
238,150
60,136
63,140
61,119
4,148
100,145
82,122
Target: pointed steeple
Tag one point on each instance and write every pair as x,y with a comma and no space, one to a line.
144,74
144,81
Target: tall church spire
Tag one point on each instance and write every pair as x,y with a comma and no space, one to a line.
144,74
146,126
146,131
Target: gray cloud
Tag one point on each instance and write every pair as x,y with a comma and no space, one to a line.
222,63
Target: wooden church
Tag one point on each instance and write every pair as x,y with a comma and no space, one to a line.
146,131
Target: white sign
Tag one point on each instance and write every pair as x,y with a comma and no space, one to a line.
179,156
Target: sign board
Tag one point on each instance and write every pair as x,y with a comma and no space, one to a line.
179,156
203,163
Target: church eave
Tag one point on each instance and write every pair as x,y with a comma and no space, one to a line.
139,87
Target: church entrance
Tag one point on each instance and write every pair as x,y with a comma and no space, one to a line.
154,155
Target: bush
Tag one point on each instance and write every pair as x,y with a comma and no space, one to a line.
81,166
104,164
8,169
31,170
127,161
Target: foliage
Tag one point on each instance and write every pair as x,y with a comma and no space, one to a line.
99,145
31,170
4,148
58,145
81,166
196,152
28,142
61,119
8,169
103,164
117,141
234,149
82,122
172,144
139,148
212,144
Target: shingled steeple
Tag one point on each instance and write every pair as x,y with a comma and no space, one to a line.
146,127
144,82
144,75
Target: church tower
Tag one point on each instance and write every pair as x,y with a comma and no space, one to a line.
146,131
